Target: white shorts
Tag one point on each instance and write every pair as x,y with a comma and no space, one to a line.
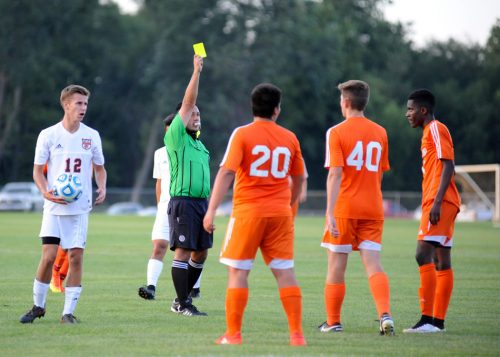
161,228
72,230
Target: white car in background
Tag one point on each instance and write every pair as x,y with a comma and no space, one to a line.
124,208
20,196
131,208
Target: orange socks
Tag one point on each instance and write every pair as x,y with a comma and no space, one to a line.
427,288
236,301
444,287
63,271
61,263
59,271
334,297
291,298
379,286
435,290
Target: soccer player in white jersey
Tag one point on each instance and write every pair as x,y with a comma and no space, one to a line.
161,229
74,148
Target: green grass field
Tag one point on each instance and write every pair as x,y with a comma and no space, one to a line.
116,322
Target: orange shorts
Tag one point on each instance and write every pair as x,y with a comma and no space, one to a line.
273,235
355,234
442,232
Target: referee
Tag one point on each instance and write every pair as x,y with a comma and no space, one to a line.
189,189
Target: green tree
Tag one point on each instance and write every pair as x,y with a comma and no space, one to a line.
137,67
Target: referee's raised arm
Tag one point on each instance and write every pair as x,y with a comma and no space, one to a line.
189,101
189,189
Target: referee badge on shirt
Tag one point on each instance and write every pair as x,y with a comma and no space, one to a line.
86,144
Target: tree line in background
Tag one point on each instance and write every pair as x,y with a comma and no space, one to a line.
137,67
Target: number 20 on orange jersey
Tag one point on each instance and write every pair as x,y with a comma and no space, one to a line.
257,168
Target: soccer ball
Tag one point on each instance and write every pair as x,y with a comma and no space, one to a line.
68,187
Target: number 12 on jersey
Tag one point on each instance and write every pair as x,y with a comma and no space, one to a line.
370,160
77,164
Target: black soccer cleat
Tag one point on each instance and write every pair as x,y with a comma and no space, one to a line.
335,327
190,310
31,315
69,319
147,292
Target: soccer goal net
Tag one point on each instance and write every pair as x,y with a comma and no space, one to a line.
479,186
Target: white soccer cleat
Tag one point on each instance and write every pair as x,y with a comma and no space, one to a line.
386,325
425,328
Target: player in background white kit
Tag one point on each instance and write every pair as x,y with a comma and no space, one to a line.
160,235
161,230
67,147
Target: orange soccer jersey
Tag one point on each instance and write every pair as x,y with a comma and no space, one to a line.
360,147
436,145
263,154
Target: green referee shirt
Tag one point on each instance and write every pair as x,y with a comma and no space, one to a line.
189,162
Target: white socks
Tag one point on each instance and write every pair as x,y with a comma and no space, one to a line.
198,282
154,270
72,294
40,293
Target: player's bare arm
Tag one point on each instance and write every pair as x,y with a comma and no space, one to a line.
297,185
223,181
332,193
100,179
303,192
42,184
446,175
191,94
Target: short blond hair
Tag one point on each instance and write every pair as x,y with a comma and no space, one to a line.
357,91
72,89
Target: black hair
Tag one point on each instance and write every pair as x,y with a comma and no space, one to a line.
265,98
424,98
168,120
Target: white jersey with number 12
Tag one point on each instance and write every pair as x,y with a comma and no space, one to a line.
71,153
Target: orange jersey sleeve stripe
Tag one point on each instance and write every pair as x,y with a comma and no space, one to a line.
233,134
327,148
436,145
435,137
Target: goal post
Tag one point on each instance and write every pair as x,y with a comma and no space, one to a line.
473,181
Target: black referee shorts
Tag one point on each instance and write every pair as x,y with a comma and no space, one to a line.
185,217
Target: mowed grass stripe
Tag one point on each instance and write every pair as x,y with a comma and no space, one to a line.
116,322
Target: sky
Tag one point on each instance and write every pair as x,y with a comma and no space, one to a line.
468,21
464,20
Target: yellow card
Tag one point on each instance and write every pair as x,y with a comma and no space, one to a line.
199,49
